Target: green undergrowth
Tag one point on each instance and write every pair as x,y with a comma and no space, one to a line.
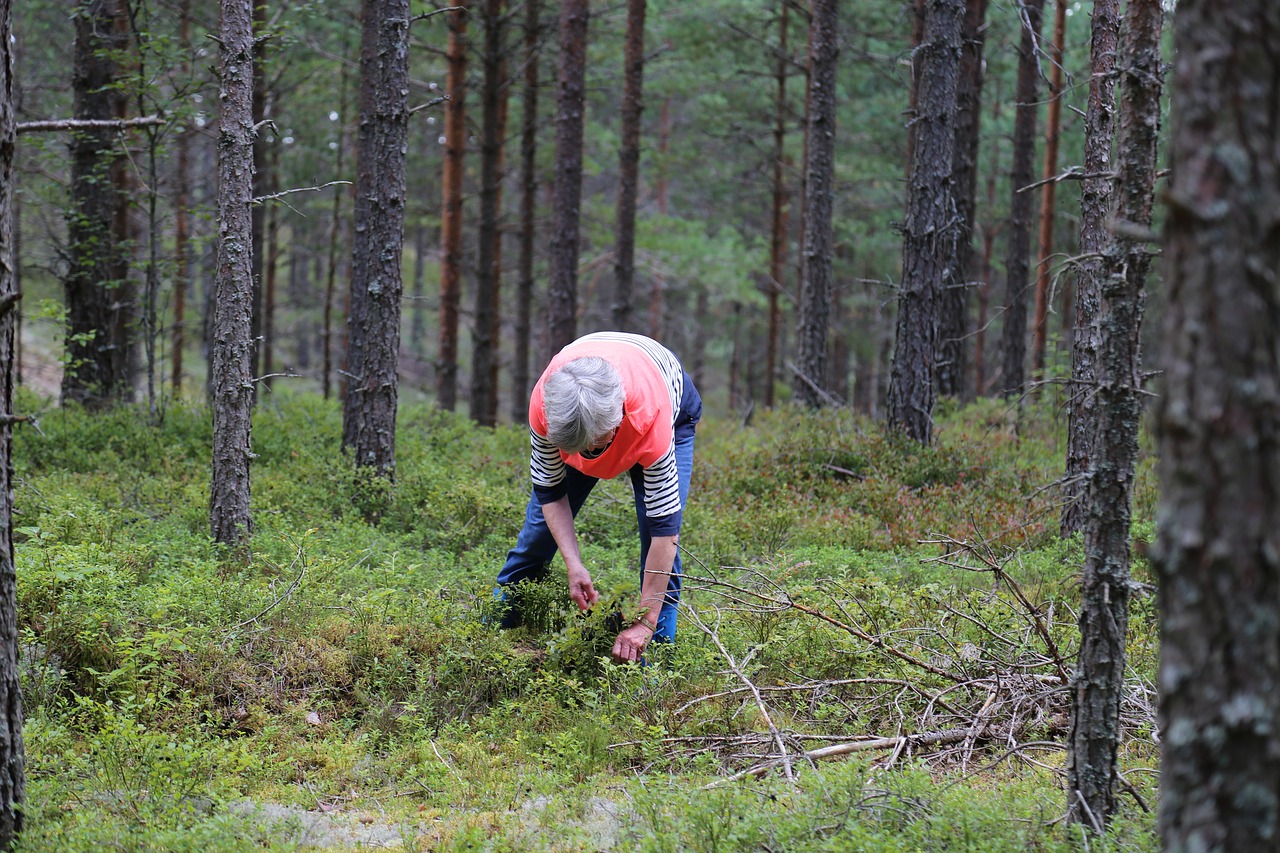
351,667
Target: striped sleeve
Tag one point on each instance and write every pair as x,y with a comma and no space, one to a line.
662,495
546,468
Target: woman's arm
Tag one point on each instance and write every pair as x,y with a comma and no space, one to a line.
559,518
632,641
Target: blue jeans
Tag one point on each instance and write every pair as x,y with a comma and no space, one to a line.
535,546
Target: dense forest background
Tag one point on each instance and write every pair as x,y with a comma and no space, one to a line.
720,79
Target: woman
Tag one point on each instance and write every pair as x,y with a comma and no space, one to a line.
609,402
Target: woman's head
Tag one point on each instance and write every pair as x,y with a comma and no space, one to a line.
583,403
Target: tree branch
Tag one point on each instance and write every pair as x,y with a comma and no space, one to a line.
73,124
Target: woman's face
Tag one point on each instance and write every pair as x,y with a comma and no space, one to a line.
602,442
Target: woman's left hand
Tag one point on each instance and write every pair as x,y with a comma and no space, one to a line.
631,644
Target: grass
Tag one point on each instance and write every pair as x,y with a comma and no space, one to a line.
351,672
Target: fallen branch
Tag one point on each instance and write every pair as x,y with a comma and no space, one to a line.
73,124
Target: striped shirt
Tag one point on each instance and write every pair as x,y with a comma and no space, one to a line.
653,383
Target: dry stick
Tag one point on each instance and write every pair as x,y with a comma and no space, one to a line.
817,685
89,124
993,565
785,758
895,743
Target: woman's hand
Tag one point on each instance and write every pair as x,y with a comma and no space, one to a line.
631,643
581,589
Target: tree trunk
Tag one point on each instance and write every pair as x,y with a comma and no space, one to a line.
661,187
99,297
1219,576
12,761
781,202
181,217
335,232
231,352
1095,208
271,266
369,409
1052,131
629,167
484,331
1014,336
455,146
810,386
528,211
261,179
1099,678
563,295
953,302
929,233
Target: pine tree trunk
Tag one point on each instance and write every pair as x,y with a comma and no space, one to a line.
953,302
528,212
181,218
929,233
369,410
1014,336
1219,575
1095,208
781,202
455,146
1099,678
563,296
815,288
231,350
98,294
12,761
484,331
335,230
1052,131
629,167
271,265
261,179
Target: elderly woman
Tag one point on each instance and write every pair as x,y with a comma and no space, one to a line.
610,402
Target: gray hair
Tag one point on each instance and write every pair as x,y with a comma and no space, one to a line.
582,401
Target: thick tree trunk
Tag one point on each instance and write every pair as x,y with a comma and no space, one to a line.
815,288
484,331
1048,193
528,211
373,356
629,167
953,302
99,296
929,233
563,296
231,350
12,761
1014,335
1099,678
455,146
780,219
1095,236
1219,428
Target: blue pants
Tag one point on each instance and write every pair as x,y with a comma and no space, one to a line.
535,546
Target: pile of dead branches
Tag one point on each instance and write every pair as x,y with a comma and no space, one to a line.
985,679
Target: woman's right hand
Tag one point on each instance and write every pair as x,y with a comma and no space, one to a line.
581,589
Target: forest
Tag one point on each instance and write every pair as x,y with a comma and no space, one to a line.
982,302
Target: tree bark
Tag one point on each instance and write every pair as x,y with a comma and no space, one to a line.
455,146
1104,612
1014,335
629,167
181,217
1052,131
815,287
528,211
369,409
929,233
231,351
99,296
12,761
1218,422
1095,207
563,295
953,302
781,202
485,331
